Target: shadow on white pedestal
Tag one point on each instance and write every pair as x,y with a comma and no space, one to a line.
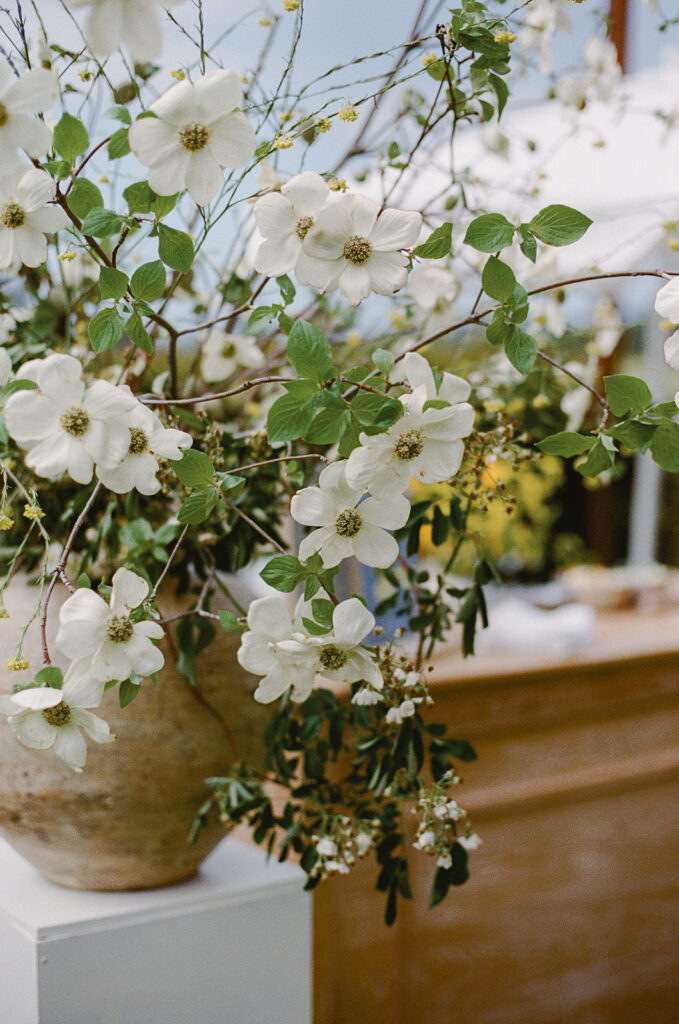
231,946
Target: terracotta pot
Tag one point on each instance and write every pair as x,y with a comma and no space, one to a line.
123,822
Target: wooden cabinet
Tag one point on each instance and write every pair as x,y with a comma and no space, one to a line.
571,913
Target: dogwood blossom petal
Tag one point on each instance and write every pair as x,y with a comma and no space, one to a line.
667,301
129,590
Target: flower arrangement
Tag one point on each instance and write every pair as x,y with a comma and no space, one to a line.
188,389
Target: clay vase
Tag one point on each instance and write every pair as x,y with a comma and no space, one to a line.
123,822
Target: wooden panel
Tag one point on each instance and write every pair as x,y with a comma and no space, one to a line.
571,913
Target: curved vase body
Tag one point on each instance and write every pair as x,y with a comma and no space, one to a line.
123,822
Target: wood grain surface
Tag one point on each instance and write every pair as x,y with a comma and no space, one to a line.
571,913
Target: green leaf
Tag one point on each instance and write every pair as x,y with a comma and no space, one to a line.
600,458
259,319
83,197
283,573
559,225
112,283
51,675
383,360
521,350
287,288
118,113
499,328
664,409
375,410
195,469
528,245
102,223
105,329
139,197
175,248
118,144
437,245
326,426
323,611
501,90
665,446
70,137
566,443
498,279
633,434
148,281
138,333
127,691
309,352
198,505
627,394
489,233
229,622
289,418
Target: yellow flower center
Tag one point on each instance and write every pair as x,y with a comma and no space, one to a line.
75,421
409,445
302,227
57,716
119,629
139,441
333,657
357,250
13,215
348,523
194,137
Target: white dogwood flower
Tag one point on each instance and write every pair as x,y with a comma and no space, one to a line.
347,525
149,441
667,301
351,247
25,217
196,132
269,624
135,24
277,647
104,636
671,349
45,716
21,97
284,219
66,425
223,354
424,444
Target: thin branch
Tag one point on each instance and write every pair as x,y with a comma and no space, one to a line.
166,568
58,571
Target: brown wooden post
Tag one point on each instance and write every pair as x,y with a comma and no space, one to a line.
618,29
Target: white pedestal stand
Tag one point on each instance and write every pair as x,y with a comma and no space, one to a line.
232,946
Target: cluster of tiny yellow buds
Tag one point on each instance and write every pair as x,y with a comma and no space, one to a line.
4,614
104,179
348,113
287,115
429,58
338,185
67,255
33,512
17,664
265,21
323,124
504,36
85,76
283,142
292,5
6,521
178,74
353,339
398,320
673,243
